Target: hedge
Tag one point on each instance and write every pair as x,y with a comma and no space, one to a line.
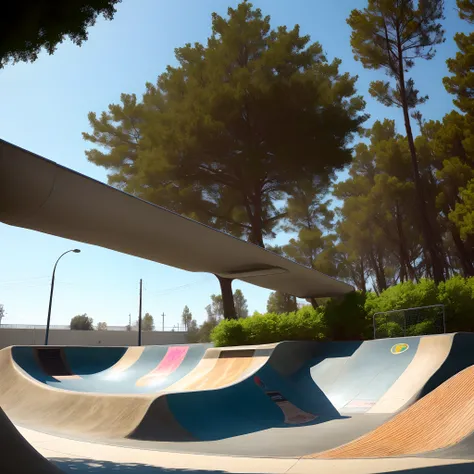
350,317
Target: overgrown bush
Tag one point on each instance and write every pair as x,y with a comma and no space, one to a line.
304,324
403,295
457,294
350,317
346,319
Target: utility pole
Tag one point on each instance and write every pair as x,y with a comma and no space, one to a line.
140,316
163,322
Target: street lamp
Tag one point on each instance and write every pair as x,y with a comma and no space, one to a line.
51,294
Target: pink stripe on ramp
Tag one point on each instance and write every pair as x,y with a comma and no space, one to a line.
171,361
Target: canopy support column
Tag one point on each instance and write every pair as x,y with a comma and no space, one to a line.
227,297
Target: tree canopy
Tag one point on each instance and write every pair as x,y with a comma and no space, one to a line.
82,322
186,318
229,132
241,307
279,303
28,26
148,323
391,35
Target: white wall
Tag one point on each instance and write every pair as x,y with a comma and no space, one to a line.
64,337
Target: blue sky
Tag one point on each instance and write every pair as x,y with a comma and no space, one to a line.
44,109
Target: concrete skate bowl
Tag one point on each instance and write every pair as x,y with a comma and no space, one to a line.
287,399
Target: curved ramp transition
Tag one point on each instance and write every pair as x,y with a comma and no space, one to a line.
330,392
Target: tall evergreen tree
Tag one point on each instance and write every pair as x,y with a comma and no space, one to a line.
390,35
461,67
279,302
226,133
241,307
186,318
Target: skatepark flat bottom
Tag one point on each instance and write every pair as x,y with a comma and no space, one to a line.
292,441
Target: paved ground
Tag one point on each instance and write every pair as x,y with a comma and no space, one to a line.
82,457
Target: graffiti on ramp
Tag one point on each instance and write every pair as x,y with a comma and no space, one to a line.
293,415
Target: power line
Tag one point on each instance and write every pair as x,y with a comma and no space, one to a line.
22,280
181,287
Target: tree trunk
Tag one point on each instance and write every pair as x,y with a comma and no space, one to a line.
254,212
426,228
314,303
227,297
379,275
463,253
405,265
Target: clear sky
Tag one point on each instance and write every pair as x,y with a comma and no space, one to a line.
44,106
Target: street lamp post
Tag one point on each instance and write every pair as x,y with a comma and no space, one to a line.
51,294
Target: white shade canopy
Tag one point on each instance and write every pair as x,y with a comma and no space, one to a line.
41,195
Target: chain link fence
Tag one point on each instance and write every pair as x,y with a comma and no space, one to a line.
417,321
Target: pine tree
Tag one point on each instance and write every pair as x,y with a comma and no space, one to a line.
390,35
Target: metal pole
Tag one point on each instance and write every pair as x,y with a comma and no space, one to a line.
373,323
48,321
140,316
163,322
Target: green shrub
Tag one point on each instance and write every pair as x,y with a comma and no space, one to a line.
457,294
350,317
305,324
346,319
424,327
403,295
389,329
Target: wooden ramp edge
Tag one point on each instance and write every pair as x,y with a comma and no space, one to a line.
440,419
18,456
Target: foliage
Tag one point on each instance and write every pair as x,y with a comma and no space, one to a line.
215,310
193,331
403,295
186,318
82,322
148,323
346,318
458,295
463,213
304,324
241,307
279,303
390,36
205,330
2,313
462,65
27,26
238,122
350,317
102,326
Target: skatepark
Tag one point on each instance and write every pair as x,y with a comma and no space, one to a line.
386,405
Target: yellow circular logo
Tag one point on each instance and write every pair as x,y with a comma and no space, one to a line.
399,348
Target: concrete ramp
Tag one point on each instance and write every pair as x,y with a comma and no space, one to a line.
185,394
18,456
440,419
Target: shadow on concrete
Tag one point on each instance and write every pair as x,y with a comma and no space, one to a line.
81,466
464,468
